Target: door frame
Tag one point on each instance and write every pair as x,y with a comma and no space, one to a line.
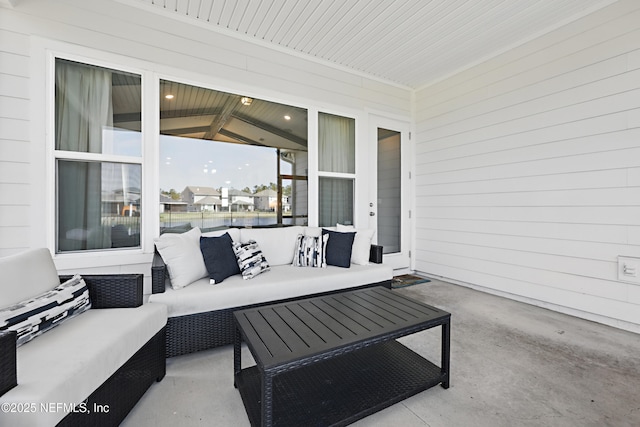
400,260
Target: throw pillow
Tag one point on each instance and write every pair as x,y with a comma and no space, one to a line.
219,257
34,316
339,247
250,259
181,253
361,243
310,251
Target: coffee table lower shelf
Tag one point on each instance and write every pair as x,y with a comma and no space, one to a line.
341,390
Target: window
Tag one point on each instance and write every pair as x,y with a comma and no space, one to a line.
336,159
97,157
230,160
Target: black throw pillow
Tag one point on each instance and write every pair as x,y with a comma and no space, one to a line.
219,257
339,248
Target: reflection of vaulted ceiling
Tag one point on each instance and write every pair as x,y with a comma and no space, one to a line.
201,113
208,114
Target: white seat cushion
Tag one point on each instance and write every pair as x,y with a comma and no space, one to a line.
69,362
281,282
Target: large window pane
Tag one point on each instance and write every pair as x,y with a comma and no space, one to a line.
336,201
98,205
228,159
336,143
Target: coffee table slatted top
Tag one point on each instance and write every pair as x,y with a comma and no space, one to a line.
317,328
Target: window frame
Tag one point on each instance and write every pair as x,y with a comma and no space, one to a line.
339,175
54,155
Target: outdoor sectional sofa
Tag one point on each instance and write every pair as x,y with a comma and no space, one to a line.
201,313
94,365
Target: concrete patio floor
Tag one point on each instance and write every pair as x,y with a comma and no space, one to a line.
512,364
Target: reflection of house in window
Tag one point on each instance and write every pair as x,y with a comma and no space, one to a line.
267,200
167,204
201,198
240,201
124,202
209,203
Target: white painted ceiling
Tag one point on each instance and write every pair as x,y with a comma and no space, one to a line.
409,42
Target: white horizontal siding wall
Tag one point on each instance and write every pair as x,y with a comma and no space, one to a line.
169,47
14,141
528,170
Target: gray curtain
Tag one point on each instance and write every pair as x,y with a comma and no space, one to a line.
336,202
83,109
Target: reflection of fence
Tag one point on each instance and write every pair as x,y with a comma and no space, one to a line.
131,223
217,219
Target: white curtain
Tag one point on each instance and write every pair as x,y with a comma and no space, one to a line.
83,109
336,143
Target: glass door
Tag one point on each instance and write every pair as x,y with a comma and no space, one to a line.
389,208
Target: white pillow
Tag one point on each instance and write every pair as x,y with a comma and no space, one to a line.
181,253
361,244
277,244
313,231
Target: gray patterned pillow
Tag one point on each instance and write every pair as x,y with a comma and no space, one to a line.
37,315
310,251
250,259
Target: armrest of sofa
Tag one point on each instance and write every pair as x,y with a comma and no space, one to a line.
375,254
158,274
8,370
113,290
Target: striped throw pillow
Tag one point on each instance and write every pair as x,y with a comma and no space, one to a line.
250,259
37,315
310,251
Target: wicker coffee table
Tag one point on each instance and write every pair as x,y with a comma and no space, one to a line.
332,360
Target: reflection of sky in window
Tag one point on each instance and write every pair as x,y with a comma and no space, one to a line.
121,142
197,162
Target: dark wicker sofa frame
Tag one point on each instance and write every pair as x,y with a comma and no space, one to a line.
201,331
126,386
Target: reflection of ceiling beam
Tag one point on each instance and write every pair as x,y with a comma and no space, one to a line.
184,131
170,114
192,112
127,117
271,129
240,138
216,125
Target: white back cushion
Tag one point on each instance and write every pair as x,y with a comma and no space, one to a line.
277,244
26,275
181,253
361,244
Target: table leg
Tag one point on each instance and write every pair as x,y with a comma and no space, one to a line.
444,362
237,355
267,400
